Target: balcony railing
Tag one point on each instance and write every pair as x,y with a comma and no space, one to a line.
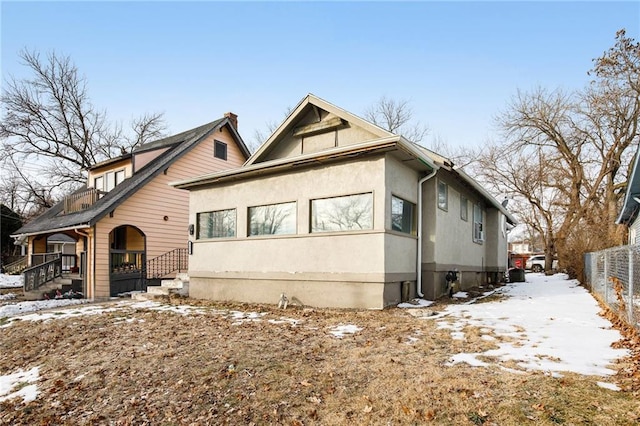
82,200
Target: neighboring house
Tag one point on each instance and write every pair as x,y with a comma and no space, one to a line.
520,247
629,213
128,223
326,211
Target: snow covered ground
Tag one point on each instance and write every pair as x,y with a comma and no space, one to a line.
10,281
547,323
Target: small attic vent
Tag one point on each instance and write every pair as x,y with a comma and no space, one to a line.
321,127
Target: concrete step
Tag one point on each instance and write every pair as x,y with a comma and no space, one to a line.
159,290
176,283
183,276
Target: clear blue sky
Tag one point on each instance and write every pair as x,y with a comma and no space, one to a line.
458,62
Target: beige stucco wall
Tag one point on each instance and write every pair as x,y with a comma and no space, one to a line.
321,269
449,243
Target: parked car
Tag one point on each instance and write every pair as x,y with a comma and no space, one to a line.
537,263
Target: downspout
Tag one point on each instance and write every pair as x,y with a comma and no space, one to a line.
419,260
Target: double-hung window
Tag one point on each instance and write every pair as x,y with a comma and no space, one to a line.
478,224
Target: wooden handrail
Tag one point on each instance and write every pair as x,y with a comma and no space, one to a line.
38,275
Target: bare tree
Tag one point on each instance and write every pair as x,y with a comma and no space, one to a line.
396,116
566,157
261,135
49,121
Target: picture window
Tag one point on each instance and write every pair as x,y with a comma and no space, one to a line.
216,224
346,213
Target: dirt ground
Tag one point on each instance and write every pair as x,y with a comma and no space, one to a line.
137,366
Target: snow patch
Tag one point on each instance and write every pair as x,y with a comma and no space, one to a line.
548,324
609,386
20,385
10,281
340,331
415,303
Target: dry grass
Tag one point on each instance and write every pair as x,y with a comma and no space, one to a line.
160,368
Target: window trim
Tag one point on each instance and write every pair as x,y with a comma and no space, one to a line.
318,231
95,183
476,239
222,145
106,176
414,215
465,204
199,228
294,213
443,206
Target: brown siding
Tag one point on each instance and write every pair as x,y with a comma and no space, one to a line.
142,159
147,208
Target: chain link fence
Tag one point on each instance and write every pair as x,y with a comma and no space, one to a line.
614,274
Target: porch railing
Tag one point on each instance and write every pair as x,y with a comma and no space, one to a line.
82,200
176,260
69,261
126,261
38,275
16,267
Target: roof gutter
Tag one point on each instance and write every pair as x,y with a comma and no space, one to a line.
287,163
50,231
486,195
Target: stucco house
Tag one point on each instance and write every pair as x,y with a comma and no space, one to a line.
334,211
631,206
127,224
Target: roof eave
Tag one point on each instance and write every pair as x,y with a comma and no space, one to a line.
285,163
486,195
51,231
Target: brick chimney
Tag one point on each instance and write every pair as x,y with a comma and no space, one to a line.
233,118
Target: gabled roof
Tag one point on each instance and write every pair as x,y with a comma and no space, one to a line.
412,155
308,102
631,204
51,221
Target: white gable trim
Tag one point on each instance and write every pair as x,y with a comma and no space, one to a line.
311,99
